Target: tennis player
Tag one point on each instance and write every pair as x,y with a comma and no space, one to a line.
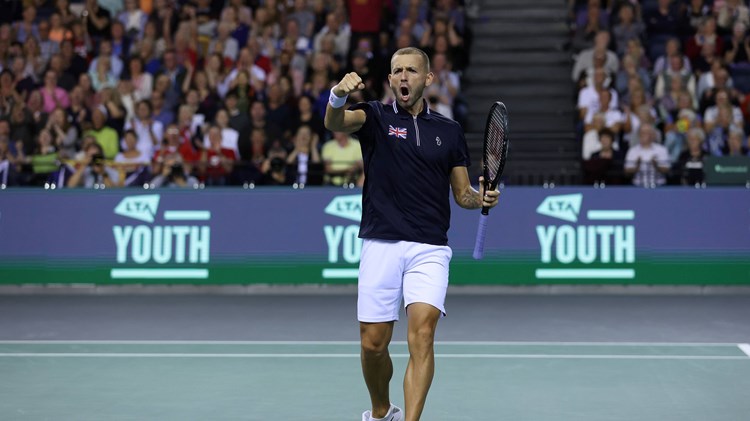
412,157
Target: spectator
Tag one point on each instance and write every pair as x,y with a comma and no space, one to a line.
94,172
7,163
73,64
631,71
587,28
175,72
706,36
65,79
149,131
628,28
690,163
230,47
343,159
103,76
695,13
738,49
708,56
143,82
718,136
664,21
78,113
588,97
276,174
339,30
64,133
604,165
445,83
43,161
678,124
174,175
676,70
133,19
672,48
52,95
305,115
216,162
120,41
585,60
711,82
130,153
735,143
304,163
47,46
33,55
177,147
229,136
97,20
27,28
161,114
613,117
105,136
730,13
722,100
648,162
304,16
278,112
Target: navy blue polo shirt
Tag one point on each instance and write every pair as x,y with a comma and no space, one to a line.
408,162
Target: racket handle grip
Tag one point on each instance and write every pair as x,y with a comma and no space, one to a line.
481,234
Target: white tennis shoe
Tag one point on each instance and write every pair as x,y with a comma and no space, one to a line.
394,414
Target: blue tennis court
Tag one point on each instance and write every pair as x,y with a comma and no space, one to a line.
172,357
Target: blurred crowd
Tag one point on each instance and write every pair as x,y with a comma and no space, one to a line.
183,93
662,84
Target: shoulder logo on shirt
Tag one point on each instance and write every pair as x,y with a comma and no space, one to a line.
399,132
438,141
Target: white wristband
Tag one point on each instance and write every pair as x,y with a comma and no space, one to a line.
337,101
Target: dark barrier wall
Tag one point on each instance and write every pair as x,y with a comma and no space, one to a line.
273,236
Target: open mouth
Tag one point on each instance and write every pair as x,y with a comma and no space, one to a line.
404,91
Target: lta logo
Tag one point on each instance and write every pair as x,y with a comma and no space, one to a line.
604,249
344,244
174,250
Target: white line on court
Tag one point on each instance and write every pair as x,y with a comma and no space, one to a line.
302,343
744,348
456,356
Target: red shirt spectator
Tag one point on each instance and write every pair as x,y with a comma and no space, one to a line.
365,15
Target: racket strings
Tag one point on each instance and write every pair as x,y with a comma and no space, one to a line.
496,135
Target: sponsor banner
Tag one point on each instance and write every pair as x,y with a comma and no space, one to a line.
229,236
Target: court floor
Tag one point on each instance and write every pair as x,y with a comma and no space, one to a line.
100,358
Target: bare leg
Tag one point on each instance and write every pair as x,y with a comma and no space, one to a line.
377,366
423,320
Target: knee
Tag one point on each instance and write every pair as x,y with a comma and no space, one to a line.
422,336
373,346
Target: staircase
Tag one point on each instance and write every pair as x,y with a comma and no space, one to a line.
518,57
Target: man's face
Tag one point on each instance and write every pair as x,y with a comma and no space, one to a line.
644,136
105,48
408,78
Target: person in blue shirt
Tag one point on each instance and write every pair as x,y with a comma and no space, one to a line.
413,158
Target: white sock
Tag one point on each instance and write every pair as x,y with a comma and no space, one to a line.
387,414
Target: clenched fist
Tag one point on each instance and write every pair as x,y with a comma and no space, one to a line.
350,83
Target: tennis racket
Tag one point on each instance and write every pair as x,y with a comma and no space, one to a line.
495,152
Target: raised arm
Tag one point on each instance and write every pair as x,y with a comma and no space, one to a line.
337,119
465,195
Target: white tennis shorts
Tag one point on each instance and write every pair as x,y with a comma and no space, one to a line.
390,270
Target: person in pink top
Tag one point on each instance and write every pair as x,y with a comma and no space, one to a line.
53,95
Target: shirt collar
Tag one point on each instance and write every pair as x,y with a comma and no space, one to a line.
397,109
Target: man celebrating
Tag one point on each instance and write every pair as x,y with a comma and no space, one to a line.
412,157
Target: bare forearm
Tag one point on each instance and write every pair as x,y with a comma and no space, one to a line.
334,119
469,199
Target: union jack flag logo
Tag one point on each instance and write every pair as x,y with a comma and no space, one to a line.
399,132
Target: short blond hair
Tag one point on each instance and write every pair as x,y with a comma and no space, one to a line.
413,51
